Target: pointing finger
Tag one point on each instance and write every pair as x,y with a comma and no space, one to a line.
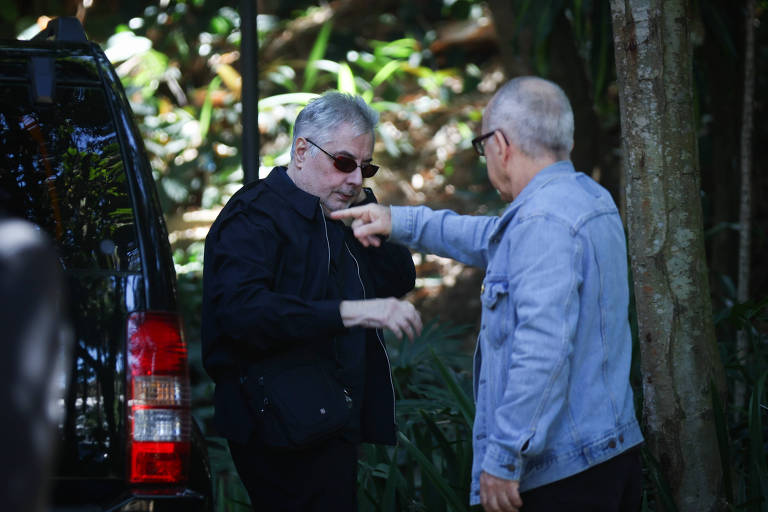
349,213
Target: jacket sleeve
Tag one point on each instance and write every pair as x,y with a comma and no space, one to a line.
463,238
244,258
391,270
390,266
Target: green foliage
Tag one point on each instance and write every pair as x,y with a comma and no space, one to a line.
318,50
745,468
430,467
229,493
178,65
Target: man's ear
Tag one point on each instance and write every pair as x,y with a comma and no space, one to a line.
300,151
504,149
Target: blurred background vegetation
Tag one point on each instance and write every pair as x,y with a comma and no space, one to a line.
429,67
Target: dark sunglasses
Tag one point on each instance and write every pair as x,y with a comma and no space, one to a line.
477,142
346,164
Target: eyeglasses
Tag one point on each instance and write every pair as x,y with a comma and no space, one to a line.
477,142
347,165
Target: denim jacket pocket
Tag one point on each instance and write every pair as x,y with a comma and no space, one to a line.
497,310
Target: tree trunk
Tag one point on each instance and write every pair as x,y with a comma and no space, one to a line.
679,357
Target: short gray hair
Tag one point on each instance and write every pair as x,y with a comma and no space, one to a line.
536,114
322,116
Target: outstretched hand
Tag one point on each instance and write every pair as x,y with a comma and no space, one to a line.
368,221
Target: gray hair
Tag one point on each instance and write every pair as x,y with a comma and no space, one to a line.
536,114
322,116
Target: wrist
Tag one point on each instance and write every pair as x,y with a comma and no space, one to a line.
351,312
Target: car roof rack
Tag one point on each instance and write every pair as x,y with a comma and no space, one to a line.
63,28
43,69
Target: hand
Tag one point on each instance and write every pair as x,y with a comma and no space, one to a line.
369,220
498,494
399,316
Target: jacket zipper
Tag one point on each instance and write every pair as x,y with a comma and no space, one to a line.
378,336
327,241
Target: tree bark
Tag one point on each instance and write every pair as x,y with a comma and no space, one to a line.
679,357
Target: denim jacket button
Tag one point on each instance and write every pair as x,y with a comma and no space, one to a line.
612,443
510,467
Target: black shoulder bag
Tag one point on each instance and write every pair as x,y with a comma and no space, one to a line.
297,402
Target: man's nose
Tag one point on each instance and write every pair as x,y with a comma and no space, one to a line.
355,177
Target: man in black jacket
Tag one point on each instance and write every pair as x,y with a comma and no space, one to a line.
287,290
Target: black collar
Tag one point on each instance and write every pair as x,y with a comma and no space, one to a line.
282,184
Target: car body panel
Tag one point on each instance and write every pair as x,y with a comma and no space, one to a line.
75,165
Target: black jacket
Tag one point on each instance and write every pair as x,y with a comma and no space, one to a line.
266,283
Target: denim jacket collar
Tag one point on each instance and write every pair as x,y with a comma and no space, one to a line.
544,176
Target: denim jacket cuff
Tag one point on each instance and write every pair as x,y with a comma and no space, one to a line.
402,223
502,463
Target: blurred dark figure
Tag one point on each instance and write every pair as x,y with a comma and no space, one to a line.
34,348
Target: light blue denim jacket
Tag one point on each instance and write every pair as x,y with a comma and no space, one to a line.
551,368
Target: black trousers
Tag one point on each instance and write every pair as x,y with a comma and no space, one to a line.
322,478
613,486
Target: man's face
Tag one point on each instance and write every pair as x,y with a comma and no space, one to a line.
318,176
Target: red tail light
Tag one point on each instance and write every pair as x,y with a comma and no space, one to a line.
159,418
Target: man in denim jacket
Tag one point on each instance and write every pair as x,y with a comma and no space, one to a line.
555,422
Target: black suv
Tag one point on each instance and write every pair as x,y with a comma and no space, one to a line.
72,162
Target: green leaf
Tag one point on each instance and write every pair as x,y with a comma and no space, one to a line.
664,493
721,429
465,403
294,98
205,111
385,72
220,25
394,481
397,49
317,53
756,439
346,82
432,474
447,451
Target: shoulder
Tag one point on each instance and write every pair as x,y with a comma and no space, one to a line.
570,200
253,204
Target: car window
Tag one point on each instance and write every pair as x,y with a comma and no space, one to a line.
61,167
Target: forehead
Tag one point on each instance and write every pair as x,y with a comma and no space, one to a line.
346,139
